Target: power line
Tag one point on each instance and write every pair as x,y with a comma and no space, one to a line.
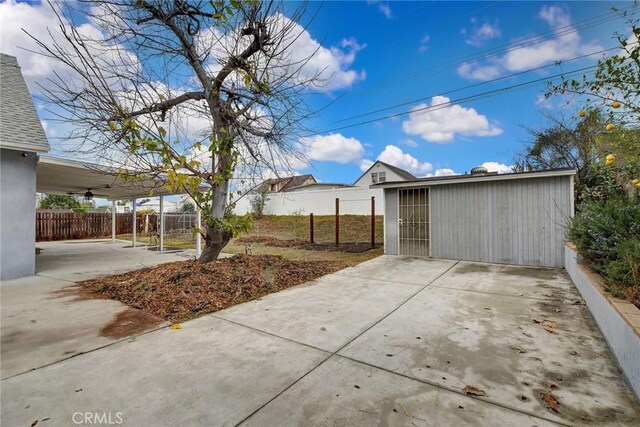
508,47
508,76
430,108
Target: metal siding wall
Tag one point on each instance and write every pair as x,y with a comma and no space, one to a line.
510,222
391,222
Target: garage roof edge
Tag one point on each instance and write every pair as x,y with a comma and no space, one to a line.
463,179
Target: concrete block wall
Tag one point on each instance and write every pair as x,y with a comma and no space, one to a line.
618,320
353,201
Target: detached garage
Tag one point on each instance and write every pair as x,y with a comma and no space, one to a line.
516,218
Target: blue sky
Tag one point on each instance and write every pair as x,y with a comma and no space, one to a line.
386,53
413,38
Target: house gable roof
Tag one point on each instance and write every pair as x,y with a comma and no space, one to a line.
401,172
290,181
20,127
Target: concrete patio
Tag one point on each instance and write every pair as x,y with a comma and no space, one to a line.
47,318
393,341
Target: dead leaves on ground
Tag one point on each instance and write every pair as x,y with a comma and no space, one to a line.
551,401
178,291
471,390
547,325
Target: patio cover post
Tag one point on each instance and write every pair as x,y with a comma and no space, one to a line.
114,217
161,224
198,235
135,222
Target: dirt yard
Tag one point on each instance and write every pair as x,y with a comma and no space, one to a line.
288,236
182,290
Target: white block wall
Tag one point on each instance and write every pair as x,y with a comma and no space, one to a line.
353,201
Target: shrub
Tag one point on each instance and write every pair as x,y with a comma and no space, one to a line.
622,275
606,228
602,226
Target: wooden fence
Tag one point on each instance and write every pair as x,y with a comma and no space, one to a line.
72,225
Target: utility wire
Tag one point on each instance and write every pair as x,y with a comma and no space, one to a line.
508,47
435,107
508,76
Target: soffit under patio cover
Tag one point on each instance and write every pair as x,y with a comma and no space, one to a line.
63,176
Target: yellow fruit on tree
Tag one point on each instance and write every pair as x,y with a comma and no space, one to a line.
636,181
582,113
616,104
610,159
610,127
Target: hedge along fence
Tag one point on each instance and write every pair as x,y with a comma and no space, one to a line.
77,225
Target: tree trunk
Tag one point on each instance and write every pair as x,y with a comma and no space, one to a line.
216,239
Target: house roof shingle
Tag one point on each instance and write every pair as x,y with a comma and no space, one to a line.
20,127
403,173
290,181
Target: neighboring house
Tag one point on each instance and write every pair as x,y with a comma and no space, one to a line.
279,185
318,186
21,137
382,172
155,206
304,194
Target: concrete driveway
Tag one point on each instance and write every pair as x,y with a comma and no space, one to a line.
47,318
393,341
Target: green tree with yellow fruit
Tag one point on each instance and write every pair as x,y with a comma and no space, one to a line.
614,88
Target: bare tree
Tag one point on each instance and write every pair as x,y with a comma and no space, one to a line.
198,92
564,143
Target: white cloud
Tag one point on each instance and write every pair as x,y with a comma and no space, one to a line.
424,43
409,143
479,35
39,20
526,54
443,123
332,148
497,167
366,164
475,71
383,7
303,57
396,157
445,172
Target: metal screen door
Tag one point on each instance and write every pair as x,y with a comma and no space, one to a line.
413,221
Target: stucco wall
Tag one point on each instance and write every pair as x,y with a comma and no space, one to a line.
353,201
17,214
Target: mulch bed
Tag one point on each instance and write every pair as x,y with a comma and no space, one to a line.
182,290
303,244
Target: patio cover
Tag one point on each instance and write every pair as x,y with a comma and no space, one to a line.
63,176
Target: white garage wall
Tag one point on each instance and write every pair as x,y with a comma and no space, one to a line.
508,222
353,201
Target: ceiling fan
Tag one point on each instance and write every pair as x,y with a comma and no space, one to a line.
88,195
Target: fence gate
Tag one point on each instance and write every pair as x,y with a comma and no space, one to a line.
413,221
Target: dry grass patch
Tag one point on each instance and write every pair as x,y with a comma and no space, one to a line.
182,290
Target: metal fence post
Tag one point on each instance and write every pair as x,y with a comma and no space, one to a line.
337,222
373,222
311,228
